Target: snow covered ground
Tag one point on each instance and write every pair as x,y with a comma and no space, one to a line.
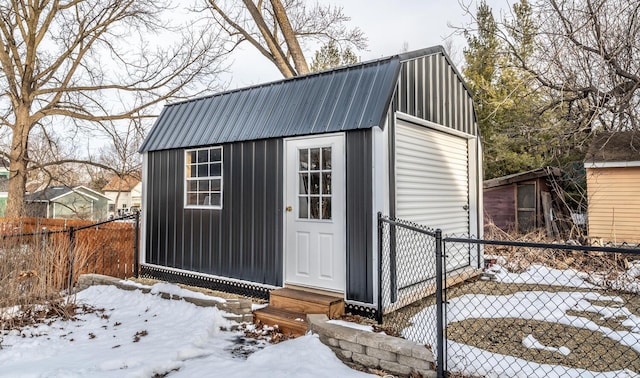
141,335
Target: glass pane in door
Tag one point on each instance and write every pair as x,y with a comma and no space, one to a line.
314,183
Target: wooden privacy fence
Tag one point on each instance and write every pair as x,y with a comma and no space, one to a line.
109,248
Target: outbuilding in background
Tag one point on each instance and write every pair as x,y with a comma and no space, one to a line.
613,181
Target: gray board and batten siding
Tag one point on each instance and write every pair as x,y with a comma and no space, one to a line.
431,88
244,239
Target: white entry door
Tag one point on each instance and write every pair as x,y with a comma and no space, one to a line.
315,238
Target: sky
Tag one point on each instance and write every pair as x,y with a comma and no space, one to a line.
388,25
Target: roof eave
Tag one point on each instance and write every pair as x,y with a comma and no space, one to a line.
611,164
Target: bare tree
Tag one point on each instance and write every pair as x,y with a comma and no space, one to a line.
122,156
279,29
47,151
69,64
587,54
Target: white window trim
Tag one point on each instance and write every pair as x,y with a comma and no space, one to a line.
221,177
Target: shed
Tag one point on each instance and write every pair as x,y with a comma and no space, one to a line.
66,202
281,183
518,202
613,178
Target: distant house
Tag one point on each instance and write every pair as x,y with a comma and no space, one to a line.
613,187
518,202
67,202
124,193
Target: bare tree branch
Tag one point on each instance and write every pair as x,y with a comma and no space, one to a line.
281,29
83,64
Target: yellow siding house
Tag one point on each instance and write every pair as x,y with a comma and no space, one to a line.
613,186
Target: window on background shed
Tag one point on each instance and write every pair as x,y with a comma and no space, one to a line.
203,178
526,207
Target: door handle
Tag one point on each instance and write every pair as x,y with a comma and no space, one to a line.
289,209
465,207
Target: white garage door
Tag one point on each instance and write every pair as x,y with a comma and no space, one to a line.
432,178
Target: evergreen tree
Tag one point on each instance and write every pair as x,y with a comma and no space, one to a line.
330,56
519,132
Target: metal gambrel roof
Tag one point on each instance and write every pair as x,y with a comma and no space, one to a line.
347,98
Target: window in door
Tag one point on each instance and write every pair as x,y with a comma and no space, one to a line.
314,183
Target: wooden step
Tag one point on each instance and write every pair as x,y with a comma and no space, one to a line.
306,302
289,322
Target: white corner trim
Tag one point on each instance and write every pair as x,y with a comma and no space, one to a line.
142,237
613,164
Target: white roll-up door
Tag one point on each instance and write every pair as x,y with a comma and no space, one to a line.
432,189
432,178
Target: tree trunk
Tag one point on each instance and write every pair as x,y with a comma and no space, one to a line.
290,37
18,160
279,57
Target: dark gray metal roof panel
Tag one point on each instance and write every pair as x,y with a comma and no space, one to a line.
380,97
347,98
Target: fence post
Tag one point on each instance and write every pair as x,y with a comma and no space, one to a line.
380,241
43,241
136,246
72,241
393,276
439,304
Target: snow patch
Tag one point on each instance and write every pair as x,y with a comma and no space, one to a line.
180,292
118,364
532,343
634,269
191,353
357,326
542,275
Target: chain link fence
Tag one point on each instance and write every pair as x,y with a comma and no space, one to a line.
407,280
545,310
510,308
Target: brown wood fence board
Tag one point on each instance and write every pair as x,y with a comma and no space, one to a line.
107,248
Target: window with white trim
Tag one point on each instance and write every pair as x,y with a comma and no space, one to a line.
203,178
